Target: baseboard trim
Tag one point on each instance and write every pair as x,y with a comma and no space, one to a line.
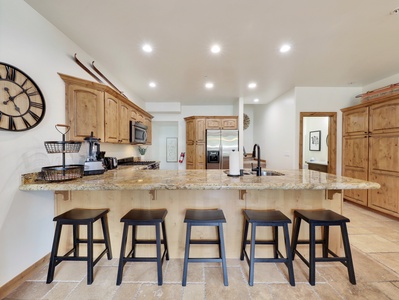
7,288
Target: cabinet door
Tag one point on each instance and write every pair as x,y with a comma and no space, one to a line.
148,123
355,122
355,165
384,117
85,112
124,118
190,156
213,124
200,156
111,119
384,169
229,124
190,131
200,130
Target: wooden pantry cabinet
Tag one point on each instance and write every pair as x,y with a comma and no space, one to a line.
196,127
371,152
95,107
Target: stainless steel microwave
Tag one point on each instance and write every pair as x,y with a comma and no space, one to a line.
138,133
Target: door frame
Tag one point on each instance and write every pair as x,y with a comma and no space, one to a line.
332,138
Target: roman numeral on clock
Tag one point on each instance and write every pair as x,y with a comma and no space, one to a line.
10,75
11,123
34,116
37,105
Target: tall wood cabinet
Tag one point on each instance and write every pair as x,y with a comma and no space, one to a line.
196,127
371,152
95,107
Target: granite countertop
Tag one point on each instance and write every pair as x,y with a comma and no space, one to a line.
132,178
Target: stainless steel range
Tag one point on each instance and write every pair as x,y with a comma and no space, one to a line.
129,161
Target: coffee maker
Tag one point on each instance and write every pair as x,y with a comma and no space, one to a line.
94,164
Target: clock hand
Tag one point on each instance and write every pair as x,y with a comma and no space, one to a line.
11,98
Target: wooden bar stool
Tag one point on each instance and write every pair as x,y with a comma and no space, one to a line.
76,217
205,217
144,217
274,219
324,218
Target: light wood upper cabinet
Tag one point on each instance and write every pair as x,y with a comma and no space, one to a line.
384,117
84,112
229,123
200,130
95,107
221,122
355,122
213,124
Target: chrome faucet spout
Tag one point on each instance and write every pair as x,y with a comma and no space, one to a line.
256,154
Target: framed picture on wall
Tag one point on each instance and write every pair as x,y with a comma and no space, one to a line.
171,149
314,140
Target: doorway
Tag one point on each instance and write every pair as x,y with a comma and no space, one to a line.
329,141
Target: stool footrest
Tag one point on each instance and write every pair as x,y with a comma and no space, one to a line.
261,242
208,259
205,242
148,242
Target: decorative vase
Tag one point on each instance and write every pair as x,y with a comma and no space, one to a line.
142,157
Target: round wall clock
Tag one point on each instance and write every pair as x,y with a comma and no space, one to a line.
247,121
22,104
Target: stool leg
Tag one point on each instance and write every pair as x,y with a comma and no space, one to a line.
123,253
165,240
275,241
159,257
54,251
223,254
348,254
288,263
244,239
252,257
186,253
134,240
295,235
89,253
312,254
326,237
75,236
104,225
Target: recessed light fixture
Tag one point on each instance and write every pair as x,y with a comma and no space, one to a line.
215,49
285,48
252,85
147,48
152,84
209,85
256,100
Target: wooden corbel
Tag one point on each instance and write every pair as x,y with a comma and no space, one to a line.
242,194
153,194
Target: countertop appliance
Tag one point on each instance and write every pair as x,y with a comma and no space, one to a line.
149,164
111,162
138,132
219,144
93,164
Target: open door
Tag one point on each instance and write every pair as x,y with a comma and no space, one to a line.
331,138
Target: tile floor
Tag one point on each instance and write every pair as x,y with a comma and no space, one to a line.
375,246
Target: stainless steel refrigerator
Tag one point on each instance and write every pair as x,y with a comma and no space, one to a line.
219,144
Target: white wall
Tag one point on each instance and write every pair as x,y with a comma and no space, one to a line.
274,131
249,132
32,44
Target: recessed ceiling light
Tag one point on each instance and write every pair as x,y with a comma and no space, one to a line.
285,48
252,85
209,85
215,49
152,84
256,100
147,48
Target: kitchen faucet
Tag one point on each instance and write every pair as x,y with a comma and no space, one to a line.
254,152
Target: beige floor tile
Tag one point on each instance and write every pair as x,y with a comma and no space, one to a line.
265,272
71,271
174,272
359,291
285,291
151,291
194,292
373,243
126,291
260,291
31,290
61,290
388,289
140,272
390,260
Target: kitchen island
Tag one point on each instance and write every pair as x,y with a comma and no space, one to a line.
127,187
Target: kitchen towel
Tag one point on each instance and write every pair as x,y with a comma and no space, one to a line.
234,163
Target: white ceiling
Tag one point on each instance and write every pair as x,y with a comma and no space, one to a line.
334,43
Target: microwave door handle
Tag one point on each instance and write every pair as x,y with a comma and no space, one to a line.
145,136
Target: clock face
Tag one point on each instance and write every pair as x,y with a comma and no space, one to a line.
22,105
